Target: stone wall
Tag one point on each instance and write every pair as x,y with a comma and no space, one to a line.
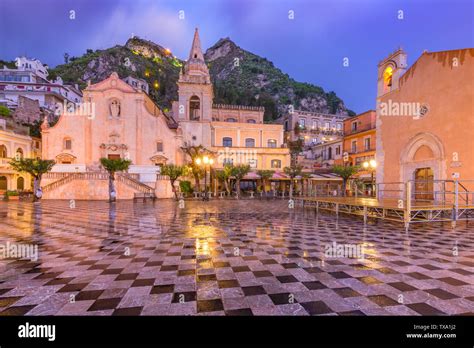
28,110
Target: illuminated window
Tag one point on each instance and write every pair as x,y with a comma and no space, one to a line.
3,151
276,164
387,77
251,120
272,143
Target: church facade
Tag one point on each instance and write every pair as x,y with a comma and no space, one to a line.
425,121
116,120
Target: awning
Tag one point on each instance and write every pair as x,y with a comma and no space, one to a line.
279,176
325,177
251,176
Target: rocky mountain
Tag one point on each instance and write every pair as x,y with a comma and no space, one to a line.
239,76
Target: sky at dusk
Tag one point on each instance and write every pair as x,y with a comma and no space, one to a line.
310,48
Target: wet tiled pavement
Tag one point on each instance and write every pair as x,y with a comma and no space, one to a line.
227,258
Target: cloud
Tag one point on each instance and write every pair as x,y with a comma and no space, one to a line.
152,22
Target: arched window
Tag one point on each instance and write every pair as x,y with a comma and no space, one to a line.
230,119
276,163
67,144
194,108
272,143
227,142
3,151
20,184
19,153
251,120
3,183
249,142
387,77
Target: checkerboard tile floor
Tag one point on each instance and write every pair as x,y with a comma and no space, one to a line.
246,257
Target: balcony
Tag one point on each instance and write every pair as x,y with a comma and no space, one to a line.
361,129
364,150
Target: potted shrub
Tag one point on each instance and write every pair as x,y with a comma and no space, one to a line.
12,195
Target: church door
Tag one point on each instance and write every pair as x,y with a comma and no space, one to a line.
424,184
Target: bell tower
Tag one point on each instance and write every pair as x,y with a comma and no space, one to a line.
193,110
389,72
194,86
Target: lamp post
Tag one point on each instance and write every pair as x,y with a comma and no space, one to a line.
206,162
370,166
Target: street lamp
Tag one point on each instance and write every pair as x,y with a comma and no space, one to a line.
206,162
370,166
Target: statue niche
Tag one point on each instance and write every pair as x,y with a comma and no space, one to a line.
115,108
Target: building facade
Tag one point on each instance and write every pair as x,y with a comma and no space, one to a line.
312,127
30,80
119,120
425,121
15,142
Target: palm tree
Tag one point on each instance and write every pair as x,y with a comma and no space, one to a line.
238,172
36,168
265,175
194,152
345,172
112,166
225,175
174,172
293,171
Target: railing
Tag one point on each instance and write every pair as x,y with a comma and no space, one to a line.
58,183
439,192
74,176
135,184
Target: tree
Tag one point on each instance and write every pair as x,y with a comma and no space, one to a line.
238,172
265,175
293,171
345,172
295,148
4,111
173,172
194,152
224,175
36,168
112,166
66,57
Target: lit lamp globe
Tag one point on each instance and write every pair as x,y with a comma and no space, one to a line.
365,164
211,161
198,161
373,163
205,159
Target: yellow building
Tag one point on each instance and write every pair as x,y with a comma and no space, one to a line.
15,142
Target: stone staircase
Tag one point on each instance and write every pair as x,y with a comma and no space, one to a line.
135,184
127,179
